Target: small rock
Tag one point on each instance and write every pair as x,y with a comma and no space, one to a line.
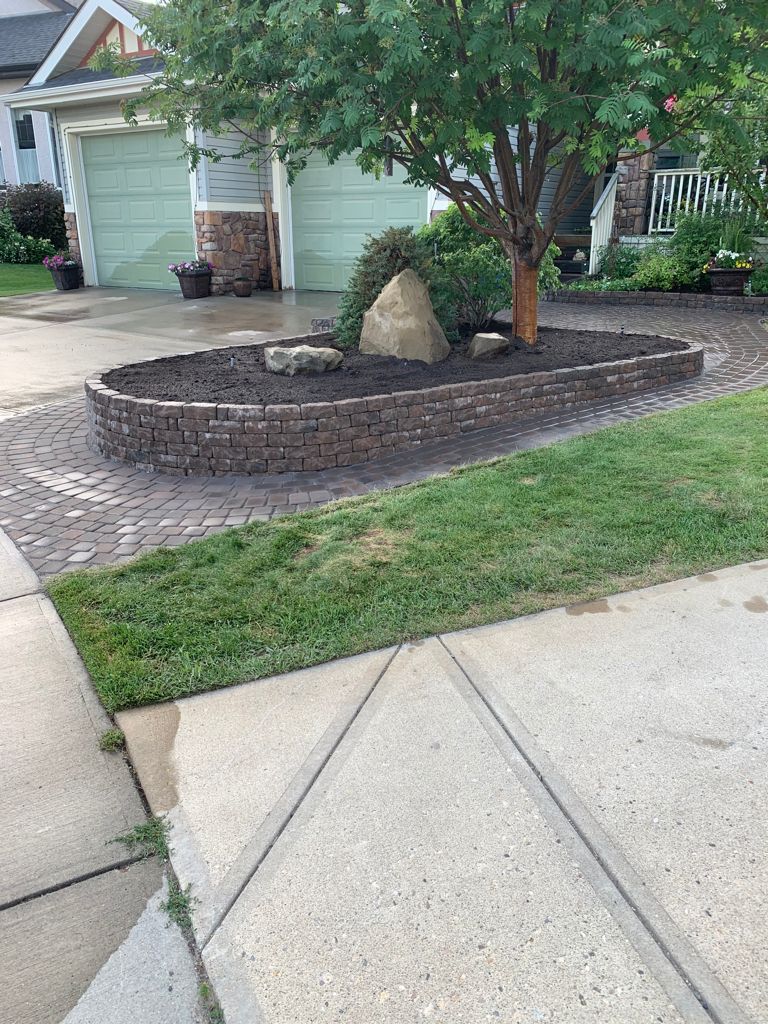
301,359
483,346
402,323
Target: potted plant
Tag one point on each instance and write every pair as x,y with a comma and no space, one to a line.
728,272
194,278
65,270
242,286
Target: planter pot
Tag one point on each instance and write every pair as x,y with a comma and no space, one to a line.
195,284
66,278
242,287
728,282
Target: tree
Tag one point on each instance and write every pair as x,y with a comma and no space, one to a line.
483,100
738,146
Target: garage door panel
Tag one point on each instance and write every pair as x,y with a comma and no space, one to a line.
174,177
175,211
359,211
334,209
140,208
401,210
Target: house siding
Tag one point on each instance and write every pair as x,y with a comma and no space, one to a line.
232,180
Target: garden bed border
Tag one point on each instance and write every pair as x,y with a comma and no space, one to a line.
689,300
205,439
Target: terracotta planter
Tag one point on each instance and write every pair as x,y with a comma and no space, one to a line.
728,282
242,287
195,284
66,278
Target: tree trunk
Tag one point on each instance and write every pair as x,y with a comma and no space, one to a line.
525,301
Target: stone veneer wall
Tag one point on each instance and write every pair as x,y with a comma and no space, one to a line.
237,245
204,438
73,239
689,300
632,195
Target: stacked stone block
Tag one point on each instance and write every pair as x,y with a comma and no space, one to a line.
688,300
205,438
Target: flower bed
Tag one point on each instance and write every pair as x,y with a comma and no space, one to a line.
207,438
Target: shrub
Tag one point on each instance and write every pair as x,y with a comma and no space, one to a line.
382,258
479,283
38,210
18,248
661,268
759,281
549,273
618,261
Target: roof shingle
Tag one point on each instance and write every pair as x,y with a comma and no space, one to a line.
26,39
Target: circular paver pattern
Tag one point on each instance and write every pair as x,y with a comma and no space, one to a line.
66,507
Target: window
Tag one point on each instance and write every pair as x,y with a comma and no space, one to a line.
25,132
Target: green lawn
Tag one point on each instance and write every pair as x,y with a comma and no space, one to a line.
665,497
20,278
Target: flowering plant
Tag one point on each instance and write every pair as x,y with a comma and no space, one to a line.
189,267
60,260
725,259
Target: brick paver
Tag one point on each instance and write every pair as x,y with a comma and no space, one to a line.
67,507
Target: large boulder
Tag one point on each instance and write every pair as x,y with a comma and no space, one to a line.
483,346
301,359
402,323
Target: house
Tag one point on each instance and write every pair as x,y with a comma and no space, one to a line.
28,29
132,205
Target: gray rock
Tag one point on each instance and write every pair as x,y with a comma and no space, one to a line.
301,359
483,346
402,323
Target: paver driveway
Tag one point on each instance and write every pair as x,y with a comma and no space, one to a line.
67,507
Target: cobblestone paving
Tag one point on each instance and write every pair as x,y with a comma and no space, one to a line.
67,507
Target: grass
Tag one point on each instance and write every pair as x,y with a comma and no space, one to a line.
665,497
20,278
149,839
178,906
112,740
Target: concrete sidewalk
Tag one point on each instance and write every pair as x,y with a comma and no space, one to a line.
559,818
68,897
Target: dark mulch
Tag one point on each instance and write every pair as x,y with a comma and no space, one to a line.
237,375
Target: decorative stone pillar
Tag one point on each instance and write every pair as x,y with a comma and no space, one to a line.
73,239
632,195
237,246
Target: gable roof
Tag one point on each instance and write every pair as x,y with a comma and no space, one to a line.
83,31
25,39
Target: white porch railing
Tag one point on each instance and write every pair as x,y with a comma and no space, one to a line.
601,221
688,190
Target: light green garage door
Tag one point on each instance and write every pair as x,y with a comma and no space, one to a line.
334,208
140,207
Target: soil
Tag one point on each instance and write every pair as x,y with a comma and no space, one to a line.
237,375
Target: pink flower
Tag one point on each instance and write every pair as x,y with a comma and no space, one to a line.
670,103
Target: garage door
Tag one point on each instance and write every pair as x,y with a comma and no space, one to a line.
334,208
140,207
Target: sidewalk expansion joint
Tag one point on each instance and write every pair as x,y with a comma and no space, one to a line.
281,815
697,993
67,883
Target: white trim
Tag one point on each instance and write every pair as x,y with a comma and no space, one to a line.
281,197
215,206
74,28
76,93
12,125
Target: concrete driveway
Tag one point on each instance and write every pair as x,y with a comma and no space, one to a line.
555,819
50,341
